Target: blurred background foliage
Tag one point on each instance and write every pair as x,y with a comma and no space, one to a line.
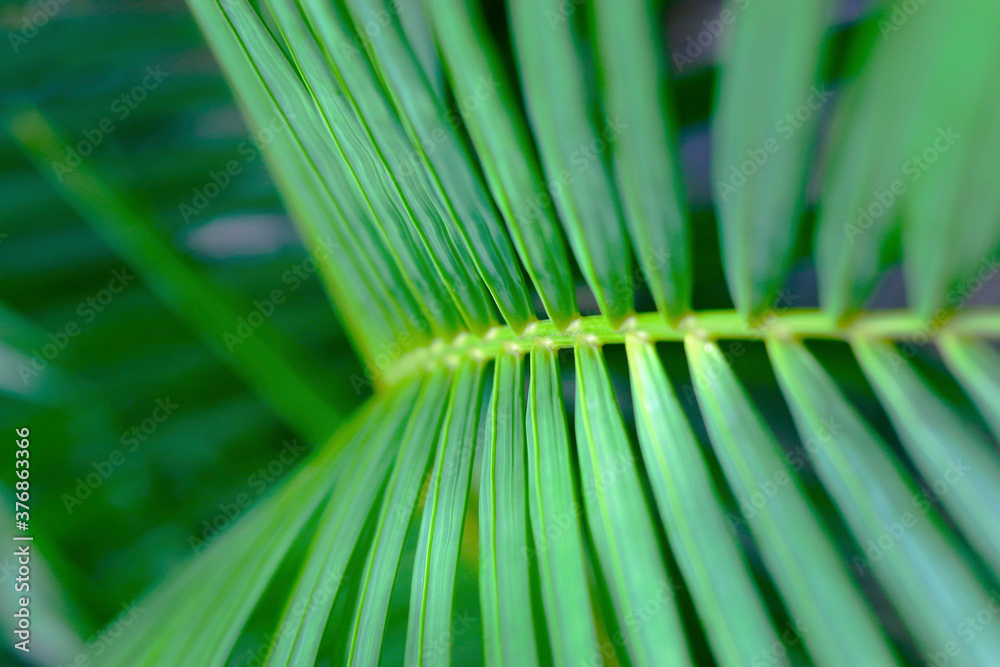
131,354
108,544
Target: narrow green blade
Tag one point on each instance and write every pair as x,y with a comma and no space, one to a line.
977,366
930,585
447,160
942,447
804,564
370,174
364,236
398,503
953,217
416,27
706,546
504,575
430,621
645,158
555,512
188,624
353,292
435,224
770,103
574,149
505,150
305,616
621,526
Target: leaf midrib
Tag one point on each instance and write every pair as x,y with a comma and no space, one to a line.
798,323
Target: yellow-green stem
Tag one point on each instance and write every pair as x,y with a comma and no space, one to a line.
726,324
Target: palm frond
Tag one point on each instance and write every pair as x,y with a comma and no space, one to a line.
504,572
925,576
830,497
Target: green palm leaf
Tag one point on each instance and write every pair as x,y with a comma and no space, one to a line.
504,575
829,497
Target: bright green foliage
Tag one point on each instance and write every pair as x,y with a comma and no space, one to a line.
806,567
504,571
764,131
443,520
558,541
898,159
487,171
620,524
703,541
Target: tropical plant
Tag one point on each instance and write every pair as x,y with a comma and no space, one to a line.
512,238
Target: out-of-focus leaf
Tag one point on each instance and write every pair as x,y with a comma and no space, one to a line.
770,103
573,149
505,150
977,366
922,571
447,159
943,448
806,567
632,61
